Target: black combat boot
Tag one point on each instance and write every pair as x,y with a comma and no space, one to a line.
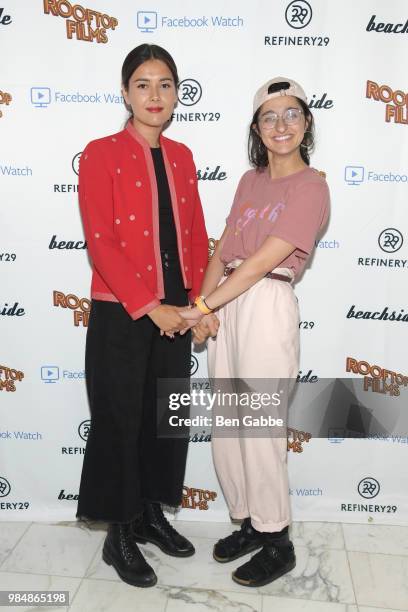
155,528
276,558
239,543
121,551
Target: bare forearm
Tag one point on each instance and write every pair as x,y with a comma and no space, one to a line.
213,273
268,256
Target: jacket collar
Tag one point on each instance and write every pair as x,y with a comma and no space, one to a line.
132,131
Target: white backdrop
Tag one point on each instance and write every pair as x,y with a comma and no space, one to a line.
59,90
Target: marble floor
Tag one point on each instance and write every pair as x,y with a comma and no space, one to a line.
340,568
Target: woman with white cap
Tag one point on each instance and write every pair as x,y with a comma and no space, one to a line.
279,208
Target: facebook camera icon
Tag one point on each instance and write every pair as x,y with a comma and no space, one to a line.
40,96
354,175
50,374
147,21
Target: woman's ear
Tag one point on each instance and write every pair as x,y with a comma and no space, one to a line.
254,127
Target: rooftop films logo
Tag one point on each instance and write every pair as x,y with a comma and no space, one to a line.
197,499
81,23
9,377
376,378
80,306
396,101
5,98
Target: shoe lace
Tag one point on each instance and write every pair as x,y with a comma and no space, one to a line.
164,523
127,546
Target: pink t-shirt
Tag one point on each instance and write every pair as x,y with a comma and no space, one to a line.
293,208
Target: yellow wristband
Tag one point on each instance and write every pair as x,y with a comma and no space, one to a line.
199,302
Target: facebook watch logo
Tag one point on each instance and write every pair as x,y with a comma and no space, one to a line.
354,175
50,374
40,96
147,21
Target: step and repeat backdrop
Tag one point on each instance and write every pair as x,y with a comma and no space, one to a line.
60,88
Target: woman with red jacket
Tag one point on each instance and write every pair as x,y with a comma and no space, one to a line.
146,236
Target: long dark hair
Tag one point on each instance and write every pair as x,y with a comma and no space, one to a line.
142,54
257,152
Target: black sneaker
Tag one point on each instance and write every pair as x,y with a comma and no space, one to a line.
154,527
270,563
239,543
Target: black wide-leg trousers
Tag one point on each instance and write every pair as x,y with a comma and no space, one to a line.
125,461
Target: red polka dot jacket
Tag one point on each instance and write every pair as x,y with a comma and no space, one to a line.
120,212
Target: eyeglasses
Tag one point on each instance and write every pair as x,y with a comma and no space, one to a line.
290,117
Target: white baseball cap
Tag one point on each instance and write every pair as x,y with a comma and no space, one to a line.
279,86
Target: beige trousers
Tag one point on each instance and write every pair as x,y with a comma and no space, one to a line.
258,338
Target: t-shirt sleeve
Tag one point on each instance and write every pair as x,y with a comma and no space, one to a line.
305,214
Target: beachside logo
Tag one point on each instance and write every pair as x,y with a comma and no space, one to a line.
376,378
386,28
12,311
211,175
81,306
81,23
5,98
384,315
69,245
9,377
5,19
309,377
197,499
396,102
296,439
149,21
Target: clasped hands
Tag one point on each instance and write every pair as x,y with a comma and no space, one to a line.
173,319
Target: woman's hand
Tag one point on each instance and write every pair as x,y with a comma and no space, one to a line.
168,319
191,316
208,326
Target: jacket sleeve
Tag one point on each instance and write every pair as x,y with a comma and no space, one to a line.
199,242
96,204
